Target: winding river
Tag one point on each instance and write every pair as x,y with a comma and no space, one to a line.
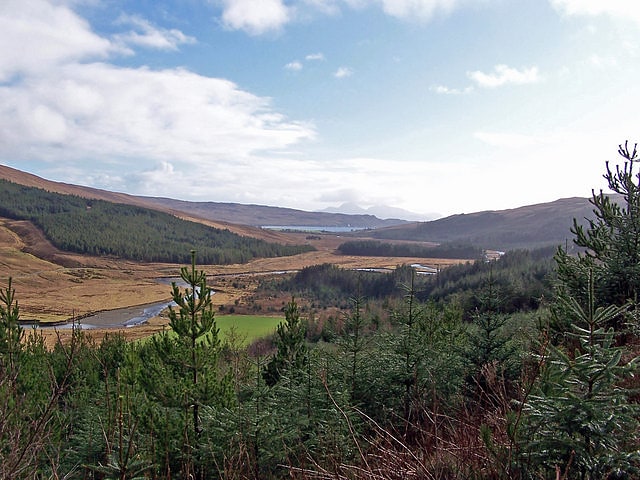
118,318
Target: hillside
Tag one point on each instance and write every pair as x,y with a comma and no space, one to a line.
235,217
525,227
260,215
101,228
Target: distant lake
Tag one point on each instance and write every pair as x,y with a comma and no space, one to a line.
307,228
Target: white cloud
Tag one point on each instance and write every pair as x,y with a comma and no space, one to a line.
627,9
255,16
444,90
314,56
37,35
418,9
293,66
131,125
150,36
343,72
504,75
101,111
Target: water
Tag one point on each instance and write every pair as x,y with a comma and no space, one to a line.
312,228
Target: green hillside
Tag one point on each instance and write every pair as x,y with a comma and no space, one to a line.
97,227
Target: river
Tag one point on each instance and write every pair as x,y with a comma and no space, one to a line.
118,318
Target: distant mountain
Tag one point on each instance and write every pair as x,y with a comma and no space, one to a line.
525,227
382,211
227,215
260,215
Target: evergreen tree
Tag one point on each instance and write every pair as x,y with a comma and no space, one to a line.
182,370
611,242
11,332
290,342
581,421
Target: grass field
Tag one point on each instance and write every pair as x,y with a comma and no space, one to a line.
247,327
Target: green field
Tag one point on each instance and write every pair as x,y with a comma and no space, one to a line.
248,327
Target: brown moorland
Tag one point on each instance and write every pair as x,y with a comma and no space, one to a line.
56,287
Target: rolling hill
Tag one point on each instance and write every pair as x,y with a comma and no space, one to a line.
260,215
524,227
226,215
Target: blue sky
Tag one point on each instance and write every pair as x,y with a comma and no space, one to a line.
433,106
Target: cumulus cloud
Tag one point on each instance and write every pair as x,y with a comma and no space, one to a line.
343,72
98,110
37,35
418,9
618,8
294,66
255,16
444,90
63,104
504,75
150,36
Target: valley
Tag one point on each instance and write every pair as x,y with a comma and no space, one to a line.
54,286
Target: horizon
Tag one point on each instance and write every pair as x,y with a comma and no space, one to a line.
430,106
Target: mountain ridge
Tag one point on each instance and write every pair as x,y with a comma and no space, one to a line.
225,215
528,226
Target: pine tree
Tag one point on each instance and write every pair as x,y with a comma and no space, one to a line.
11,333
581,421
183,369
610,241
290,342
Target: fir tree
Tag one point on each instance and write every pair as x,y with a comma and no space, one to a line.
610,242
581,421
290,342
184,371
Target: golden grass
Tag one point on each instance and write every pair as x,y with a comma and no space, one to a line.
71,286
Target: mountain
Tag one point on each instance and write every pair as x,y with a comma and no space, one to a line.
381,211
525,227
260,215
225,215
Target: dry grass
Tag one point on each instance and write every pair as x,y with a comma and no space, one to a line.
53,286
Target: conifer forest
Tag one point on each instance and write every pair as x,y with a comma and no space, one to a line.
518,368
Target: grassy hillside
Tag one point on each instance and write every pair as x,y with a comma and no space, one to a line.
525,227
98,227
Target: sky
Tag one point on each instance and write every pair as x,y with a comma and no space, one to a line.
437,107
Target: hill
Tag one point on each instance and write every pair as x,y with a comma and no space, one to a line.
97,227
524,227
260,215
233,216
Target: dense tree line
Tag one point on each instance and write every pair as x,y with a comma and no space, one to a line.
97,227
375,248
522,278
498,395
329,285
